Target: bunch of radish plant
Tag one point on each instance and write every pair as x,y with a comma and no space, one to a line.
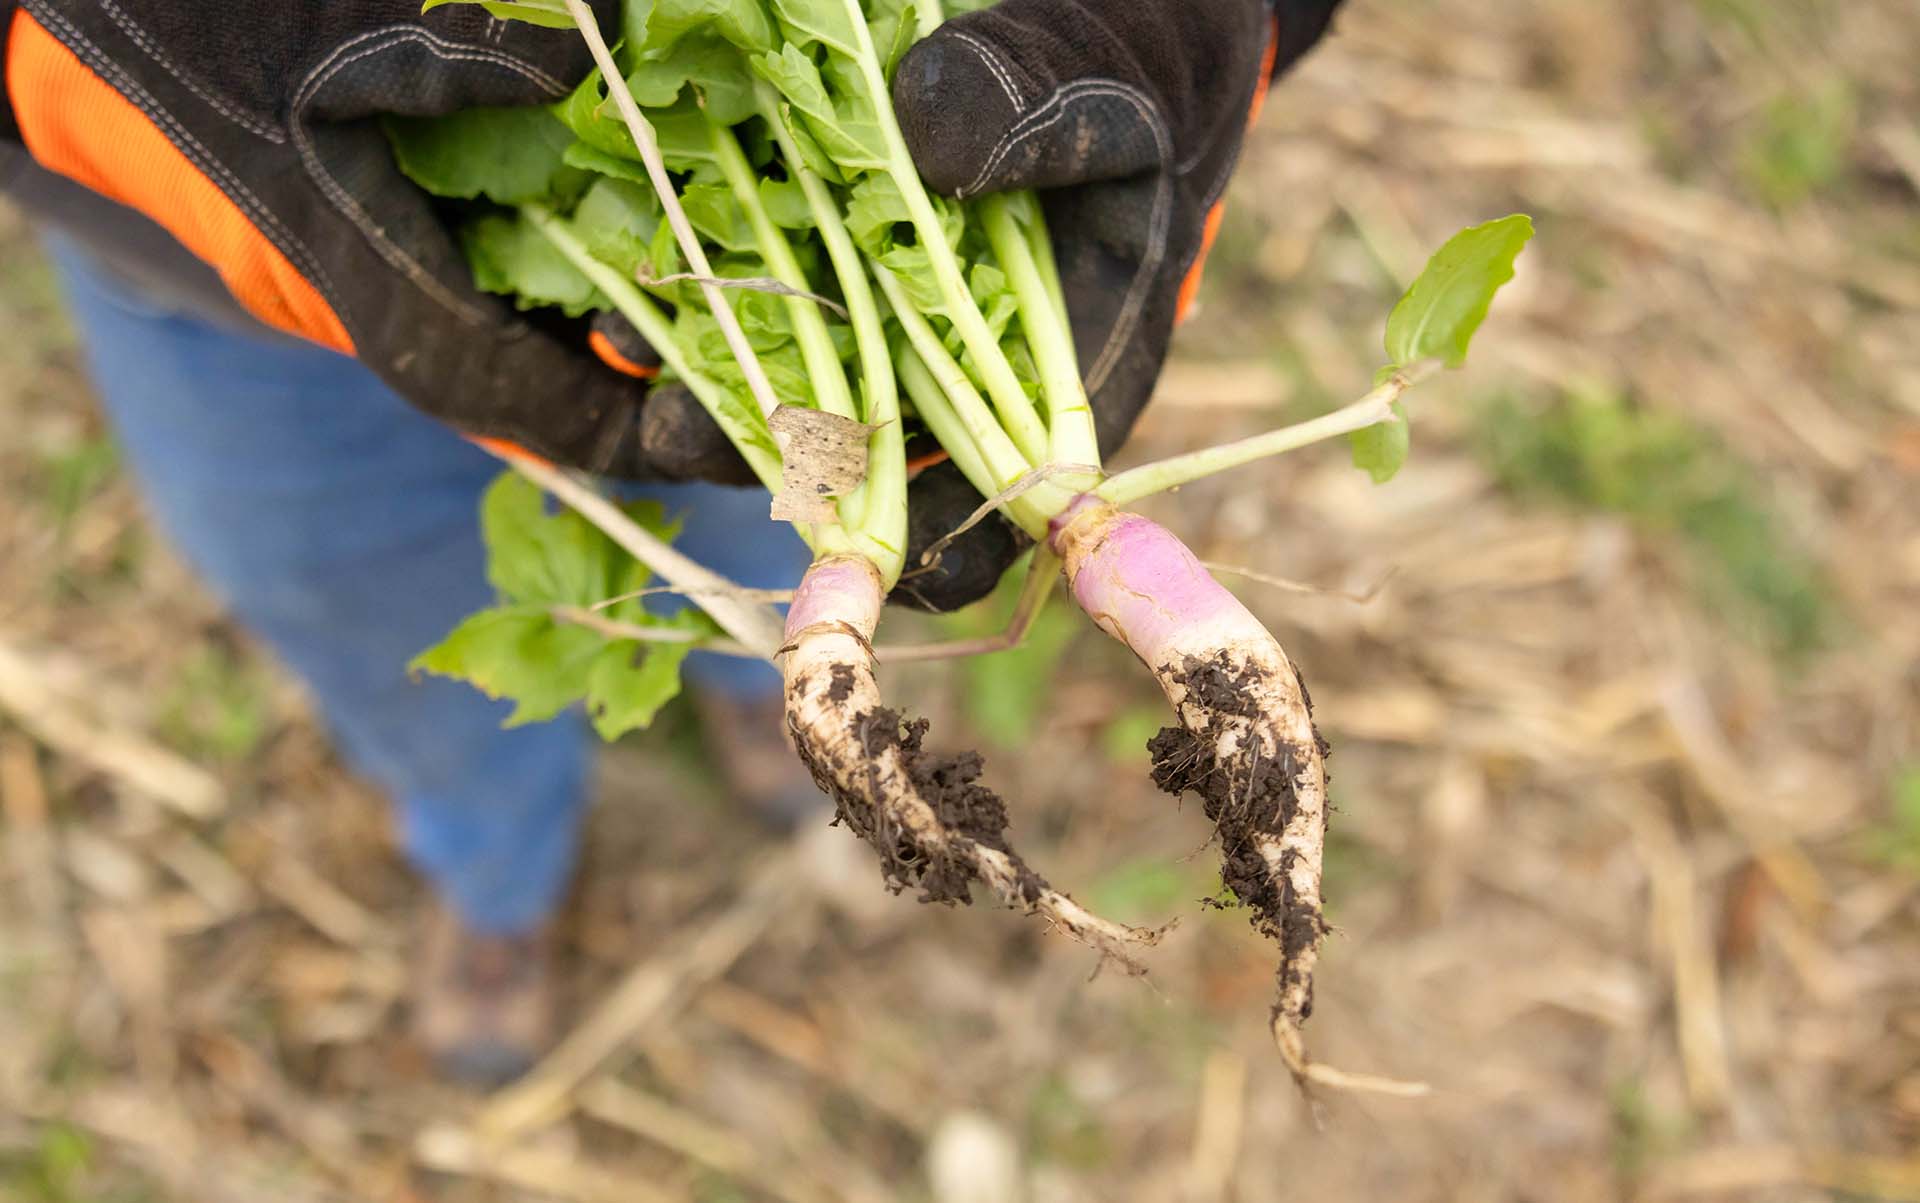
732,180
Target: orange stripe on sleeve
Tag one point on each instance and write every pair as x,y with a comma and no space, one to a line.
1190,287
76,124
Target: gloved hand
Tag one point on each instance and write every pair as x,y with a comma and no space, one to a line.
1128,116
248,132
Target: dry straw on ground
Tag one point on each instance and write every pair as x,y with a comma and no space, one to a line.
1616,748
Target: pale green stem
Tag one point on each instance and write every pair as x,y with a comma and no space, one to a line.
1072,439
878,509
640,309
996,373
1371,410
1040,246
997,450
931,402
822,359
756,627
683,232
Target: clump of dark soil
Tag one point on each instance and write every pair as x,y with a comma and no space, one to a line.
968,812
1247,797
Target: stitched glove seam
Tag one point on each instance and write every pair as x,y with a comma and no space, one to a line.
195,150
151,48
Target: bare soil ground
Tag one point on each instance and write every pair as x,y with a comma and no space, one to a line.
1626,858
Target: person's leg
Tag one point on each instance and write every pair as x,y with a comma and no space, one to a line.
342,526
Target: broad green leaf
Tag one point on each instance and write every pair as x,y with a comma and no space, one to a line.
913,267
875,209
811,154
590,115
539,560
1439,315
552,14
510,257
652,27
510,156
518,653
786,203
599,162
555,557
717,216
630,681
822,22
617,219
851,138
715,69
1381,451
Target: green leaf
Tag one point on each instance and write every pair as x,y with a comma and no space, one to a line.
599,162
589,114
510,156
875,212
518,653
717,216
1381,451
552,14
786,204
629,682
618,219
652,27
1439,315
851,138
895,32
538,560
723,86
510,257
819,22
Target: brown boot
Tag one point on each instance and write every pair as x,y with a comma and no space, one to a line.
484,1005
747,743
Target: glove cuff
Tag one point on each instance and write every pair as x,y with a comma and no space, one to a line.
9,128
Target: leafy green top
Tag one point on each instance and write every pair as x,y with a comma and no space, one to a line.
1437,319
545,566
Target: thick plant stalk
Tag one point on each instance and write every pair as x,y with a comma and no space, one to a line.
934,826
1246,743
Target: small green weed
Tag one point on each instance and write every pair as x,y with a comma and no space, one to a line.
1062,1128
1125,738
1149,890
1642,1133
217,706
1669,478
1801,144
76,475
62,1167
1896,842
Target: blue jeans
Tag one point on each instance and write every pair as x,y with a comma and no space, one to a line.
341,525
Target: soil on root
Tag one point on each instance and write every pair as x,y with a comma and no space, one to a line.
1247,796
950,785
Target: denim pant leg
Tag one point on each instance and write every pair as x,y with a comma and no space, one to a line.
340,525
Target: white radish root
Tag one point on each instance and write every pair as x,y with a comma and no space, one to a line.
1246,744
934,826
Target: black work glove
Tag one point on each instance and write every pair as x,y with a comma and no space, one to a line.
1128,116
250,132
